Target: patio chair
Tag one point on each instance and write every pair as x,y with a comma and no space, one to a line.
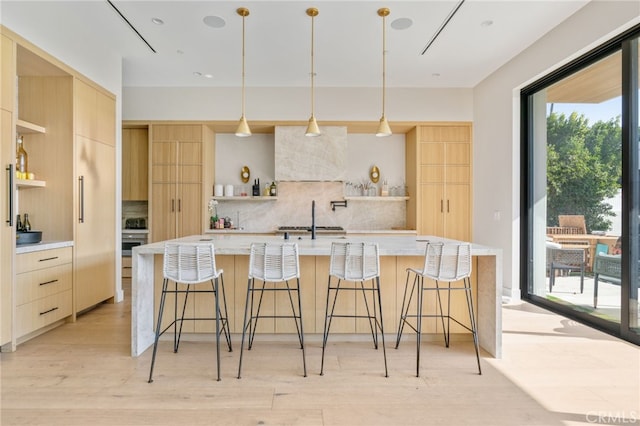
565,259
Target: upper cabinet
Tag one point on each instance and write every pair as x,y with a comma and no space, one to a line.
135,164
95,114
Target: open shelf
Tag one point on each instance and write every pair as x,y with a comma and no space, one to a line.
379,198
24,127
30,183
239,198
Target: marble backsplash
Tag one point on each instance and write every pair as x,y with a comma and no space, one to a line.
293,208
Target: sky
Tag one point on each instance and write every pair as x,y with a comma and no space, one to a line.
603,111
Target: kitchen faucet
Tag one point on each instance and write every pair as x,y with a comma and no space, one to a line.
313,219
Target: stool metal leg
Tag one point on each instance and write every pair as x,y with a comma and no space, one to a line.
158,326
327,323
301,334
176,342
223,313
472,318
442,315
406,303
244,323
371,318
384,350
419,324
217,311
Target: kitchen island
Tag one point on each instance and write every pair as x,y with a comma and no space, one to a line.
396,252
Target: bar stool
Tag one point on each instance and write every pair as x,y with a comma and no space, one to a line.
442,262
355,262
272,264
191,264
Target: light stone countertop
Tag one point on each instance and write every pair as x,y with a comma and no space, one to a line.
44,245
238,244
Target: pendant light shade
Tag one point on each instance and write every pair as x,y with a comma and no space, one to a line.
312,128
383,127
243,129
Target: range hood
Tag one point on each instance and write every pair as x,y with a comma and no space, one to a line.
302,158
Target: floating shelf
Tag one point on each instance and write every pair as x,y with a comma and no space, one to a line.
261,198
380,198
24,127
30,183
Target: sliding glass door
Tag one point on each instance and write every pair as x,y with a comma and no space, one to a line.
581,191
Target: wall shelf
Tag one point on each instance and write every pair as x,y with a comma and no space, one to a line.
24,127
30,183
260,198
379,198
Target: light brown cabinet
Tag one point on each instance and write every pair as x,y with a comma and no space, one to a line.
43,289
94,237
441,179
176,181
135,164
7,153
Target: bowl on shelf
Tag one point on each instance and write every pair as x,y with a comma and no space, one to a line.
28,237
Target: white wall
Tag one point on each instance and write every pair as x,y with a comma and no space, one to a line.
496,123
341,104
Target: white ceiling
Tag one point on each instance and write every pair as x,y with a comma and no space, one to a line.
348,39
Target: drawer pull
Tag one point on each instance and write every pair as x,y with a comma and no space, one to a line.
48,258
49,282
50,310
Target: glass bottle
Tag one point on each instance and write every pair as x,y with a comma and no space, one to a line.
27,224
22,160
19,225
273,191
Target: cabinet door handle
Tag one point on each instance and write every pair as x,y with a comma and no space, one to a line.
447,206
441,206
173,205
50,310
179,204
10,194
81,189
47,258
49,282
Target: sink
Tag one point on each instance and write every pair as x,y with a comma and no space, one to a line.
28,237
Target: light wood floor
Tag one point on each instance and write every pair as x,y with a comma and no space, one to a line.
554,372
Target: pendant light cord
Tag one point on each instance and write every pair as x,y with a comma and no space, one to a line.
243,19
312,68
384,62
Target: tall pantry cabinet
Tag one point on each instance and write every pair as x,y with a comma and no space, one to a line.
439,169
68,125
7,153
94,115
177,153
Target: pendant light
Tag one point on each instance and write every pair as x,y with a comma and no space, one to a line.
383,127
243,129
312,128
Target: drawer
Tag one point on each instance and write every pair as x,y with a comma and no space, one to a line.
42,312
43,259
41,283
126,267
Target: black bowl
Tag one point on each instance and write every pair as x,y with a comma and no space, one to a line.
28,237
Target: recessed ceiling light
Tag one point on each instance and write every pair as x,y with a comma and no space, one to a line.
401,23
486,23
214,21
157,21
435,74
197,74
208,76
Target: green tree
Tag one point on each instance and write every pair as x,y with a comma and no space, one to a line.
583,168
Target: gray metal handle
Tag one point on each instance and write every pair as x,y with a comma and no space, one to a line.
10,194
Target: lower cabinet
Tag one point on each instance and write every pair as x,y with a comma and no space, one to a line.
43,289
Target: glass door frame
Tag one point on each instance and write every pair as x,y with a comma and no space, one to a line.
627,43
